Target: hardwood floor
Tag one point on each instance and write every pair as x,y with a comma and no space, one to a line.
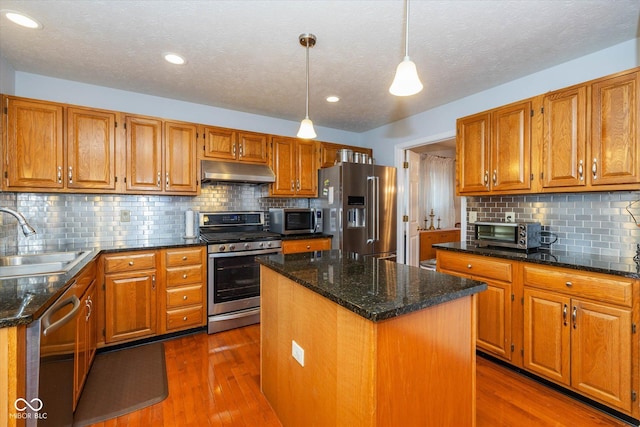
214,380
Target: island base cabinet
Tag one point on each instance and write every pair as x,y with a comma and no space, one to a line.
416,369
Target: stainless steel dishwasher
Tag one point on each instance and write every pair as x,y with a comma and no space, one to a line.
50,364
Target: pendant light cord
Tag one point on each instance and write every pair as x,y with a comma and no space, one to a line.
406,35
307,109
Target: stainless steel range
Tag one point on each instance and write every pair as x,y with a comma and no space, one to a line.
233,240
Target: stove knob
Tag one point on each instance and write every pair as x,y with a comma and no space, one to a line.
246,246
268,244
260,244
232,247
221,248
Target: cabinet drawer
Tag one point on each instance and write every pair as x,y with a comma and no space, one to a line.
600,287
182,257
129,262
183,296
183,275
184,317
476,266
306,245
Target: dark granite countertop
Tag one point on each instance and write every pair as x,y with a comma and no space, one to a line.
372,288
24,299
625,267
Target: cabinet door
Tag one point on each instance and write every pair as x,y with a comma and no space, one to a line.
130,306
86,342
547,332
565,140
511,147
472,153
181,168
306,169
144,154
494,319
615,131
252,147
91,150
220,143
601,353
283,164
33,145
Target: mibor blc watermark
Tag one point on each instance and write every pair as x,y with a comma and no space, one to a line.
34,406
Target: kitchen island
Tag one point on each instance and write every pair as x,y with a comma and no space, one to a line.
357,341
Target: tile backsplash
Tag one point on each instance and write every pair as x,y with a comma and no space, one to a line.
595,223
83,219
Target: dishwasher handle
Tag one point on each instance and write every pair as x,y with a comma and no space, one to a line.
48,327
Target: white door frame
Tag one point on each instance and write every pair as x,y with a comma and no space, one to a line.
403,194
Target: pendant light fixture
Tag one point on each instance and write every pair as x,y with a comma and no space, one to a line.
406,81
306,126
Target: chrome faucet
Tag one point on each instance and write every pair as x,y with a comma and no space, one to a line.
27,230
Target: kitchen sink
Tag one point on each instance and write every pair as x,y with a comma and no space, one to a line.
38,264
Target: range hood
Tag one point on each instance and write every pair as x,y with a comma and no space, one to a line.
214,171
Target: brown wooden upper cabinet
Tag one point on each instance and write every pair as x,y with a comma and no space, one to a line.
294,163
161,156
493,150
607,157
328,153
42,156
234,145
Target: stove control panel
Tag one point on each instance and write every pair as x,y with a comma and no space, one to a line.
244,246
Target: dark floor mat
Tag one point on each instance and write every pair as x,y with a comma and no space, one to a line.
121,382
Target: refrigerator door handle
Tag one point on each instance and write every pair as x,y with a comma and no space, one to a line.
375,209
371,231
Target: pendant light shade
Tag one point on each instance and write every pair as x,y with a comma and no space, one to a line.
306,130
406,81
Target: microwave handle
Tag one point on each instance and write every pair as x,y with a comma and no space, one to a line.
315,220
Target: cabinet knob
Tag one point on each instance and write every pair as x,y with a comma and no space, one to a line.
184,276
184,318
184,258
184,297
130,262
569,284
594,168
308,246
469,266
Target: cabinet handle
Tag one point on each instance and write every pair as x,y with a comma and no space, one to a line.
88,307
131,263
297,185
153,282
569,284
293,185
574,317
158,180
59,174
486,178
564,314
70,175
495,177
581,171
234,150
241,150
166,176
594,168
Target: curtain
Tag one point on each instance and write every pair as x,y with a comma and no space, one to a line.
438,190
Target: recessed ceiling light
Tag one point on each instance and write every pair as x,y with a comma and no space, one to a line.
333,98
22,20
174,58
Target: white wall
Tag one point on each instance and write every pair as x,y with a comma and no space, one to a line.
66,91
7,77
431,125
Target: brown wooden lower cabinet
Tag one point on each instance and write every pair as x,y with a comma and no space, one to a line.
306,245
428,238
575,328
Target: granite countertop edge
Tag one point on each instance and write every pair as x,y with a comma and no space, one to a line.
624,267
57,284
374,315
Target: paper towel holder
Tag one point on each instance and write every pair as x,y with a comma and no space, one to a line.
189,224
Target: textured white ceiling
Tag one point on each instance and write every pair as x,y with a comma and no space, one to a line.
245,55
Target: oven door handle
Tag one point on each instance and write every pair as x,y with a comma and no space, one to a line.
272,251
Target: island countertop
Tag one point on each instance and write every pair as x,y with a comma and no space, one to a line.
369,287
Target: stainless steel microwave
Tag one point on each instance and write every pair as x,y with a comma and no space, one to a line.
295,220
516,235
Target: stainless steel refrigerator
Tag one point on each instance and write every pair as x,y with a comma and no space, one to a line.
359,207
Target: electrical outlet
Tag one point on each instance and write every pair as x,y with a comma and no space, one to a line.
509,217
125,216
297,352
473,216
